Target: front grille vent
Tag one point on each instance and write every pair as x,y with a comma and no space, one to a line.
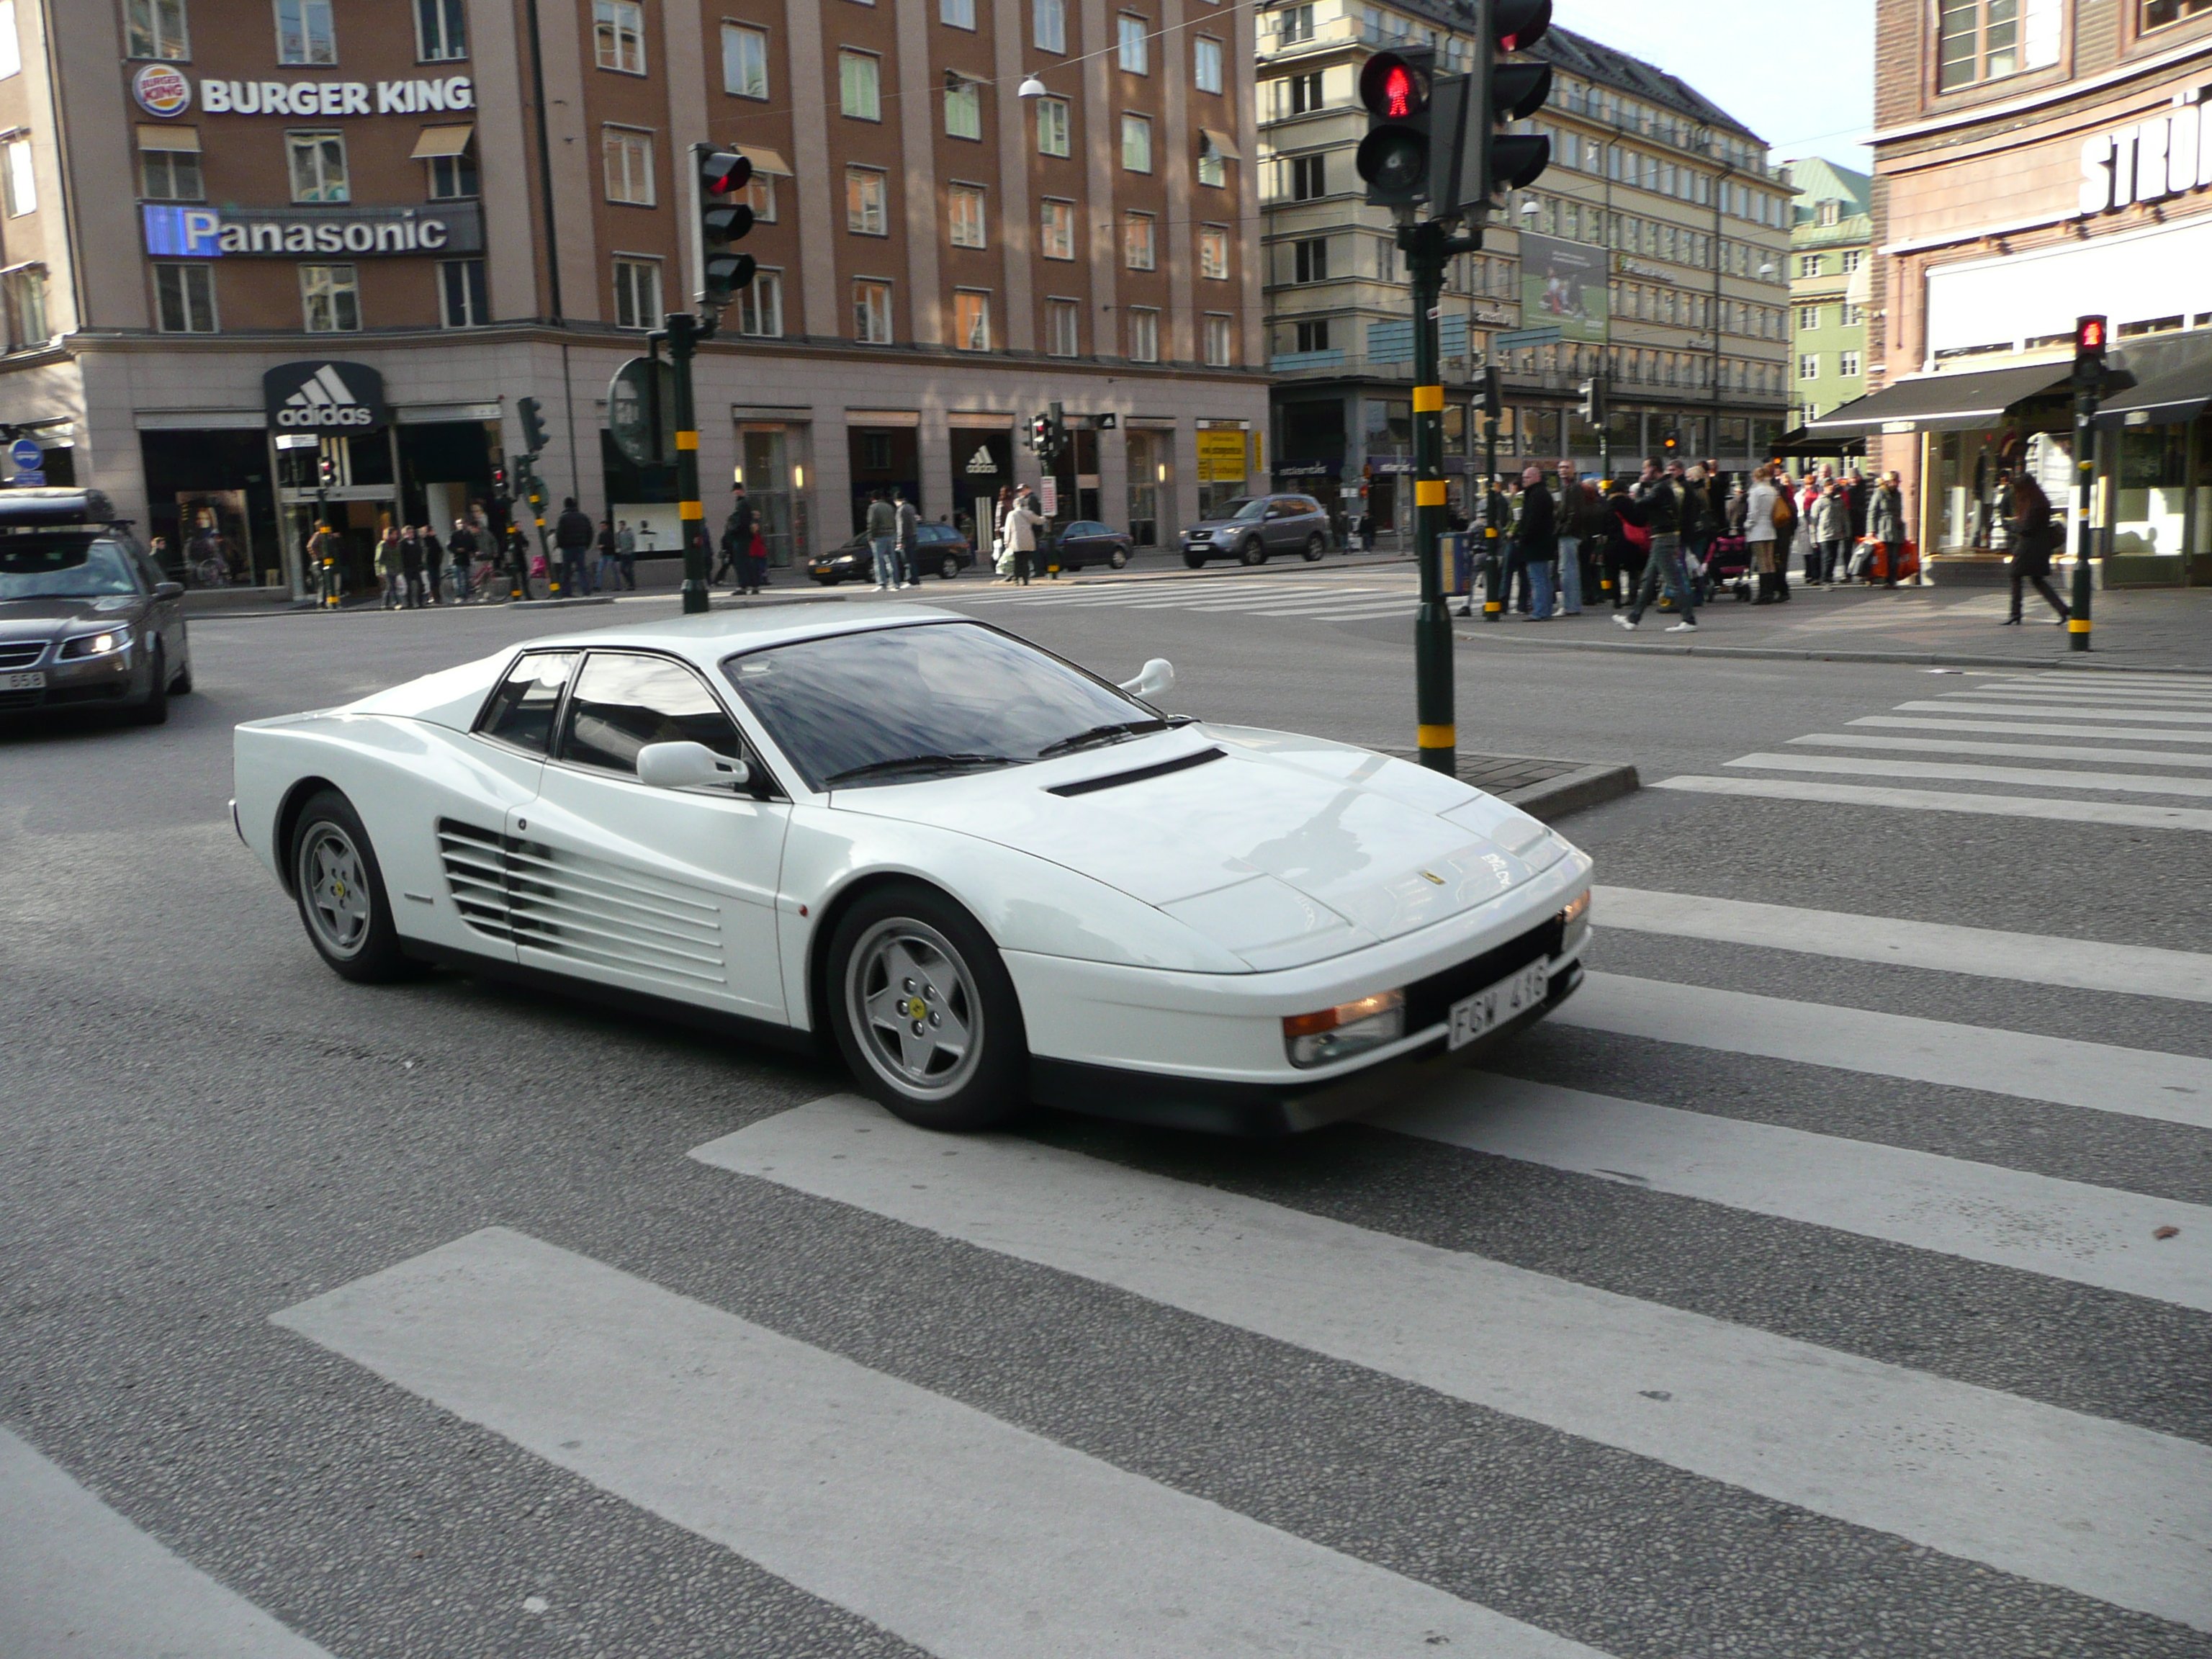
21,656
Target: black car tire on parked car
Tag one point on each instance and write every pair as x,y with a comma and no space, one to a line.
1252,550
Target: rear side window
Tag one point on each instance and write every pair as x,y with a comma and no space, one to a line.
521,711
623,702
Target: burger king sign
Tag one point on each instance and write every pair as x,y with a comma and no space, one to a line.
162,89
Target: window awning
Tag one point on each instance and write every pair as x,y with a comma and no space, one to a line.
442,140
1220,143
2173,380
178,140
765,160
1940,403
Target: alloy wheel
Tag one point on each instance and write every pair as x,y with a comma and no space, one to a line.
336,881
914,1007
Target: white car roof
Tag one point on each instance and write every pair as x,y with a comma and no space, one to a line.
707,639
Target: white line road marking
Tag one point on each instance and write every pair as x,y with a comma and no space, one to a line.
2095,1076
2025,751
2118,733
1931,800
959,1533
2059,1228
2022,777
2106,1509
2093,692
77,1581
2032,958
2055,711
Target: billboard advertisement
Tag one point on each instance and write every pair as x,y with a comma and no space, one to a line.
1564,285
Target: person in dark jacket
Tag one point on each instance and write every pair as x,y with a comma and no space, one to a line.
1537,535
2033,538
434,562
410,566
1660,500
573,535
461,550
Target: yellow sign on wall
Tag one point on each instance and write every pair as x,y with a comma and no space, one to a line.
1221,456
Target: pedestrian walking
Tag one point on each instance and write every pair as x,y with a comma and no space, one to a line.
461,548
390,574
1831,531
1766,509
626,553
1536,535
2033,538
910,543
1022,524
1657,505
1886,528
434,562
606,575
882,540
1581,520
410,565
573,534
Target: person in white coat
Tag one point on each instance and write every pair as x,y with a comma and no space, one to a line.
1022,522
1760,533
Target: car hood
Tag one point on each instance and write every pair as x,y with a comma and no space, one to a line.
41,619
1224,524
1285,851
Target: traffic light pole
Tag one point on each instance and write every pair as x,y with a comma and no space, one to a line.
684,334
2084,489
1429,247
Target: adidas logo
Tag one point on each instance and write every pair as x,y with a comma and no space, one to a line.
982,460
324,400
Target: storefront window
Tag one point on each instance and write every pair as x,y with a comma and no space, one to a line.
768,459
1148,455
2201,489
1390,428
2151,508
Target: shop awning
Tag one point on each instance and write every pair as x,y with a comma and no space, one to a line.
765,160
1220,143
1940,403
2173,380
442,140
183,141
1802,443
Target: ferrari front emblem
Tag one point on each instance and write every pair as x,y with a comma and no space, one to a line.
915,1008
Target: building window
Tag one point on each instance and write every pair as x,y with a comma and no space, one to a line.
637,293
1144,335
1048,22
1847,365
157,29
11,43
760,306
1294,26
1301,93
2157,14
26,307
866,214
1809,266
305,34
1063,320
1809,365
967,217
1988,39
1309,260
1213,251
185,297
859,86
1852,261
1205,63
971,319
1308,177
1808,316
1056,230
1136,143
618,35
745,61
171,175
872,313
452,178
462,300
441,30
1219,340
1312,336
1213,166
1139,250
1132,45
318,166
1854,316
1052,127
19,178
760,197
957,14
330,296
628,155
963,110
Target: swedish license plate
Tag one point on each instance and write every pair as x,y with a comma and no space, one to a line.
1485,1011
30,680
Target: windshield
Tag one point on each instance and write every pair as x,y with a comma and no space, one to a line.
896,704
64,566
1245,508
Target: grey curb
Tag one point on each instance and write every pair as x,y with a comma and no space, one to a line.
1574,792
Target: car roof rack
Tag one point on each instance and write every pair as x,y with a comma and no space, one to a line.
23,509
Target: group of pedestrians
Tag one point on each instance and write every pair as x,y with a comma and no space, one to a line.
412,565
894,532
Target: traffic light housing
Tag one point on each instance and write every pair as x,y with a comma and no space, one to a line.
722,222
1494,163
1491,383
1593,403
498,481
326,471
534,425
1394,158
2091,336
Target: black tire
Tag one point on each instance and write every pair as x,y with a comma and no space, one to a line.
988,1084
1315,546
949,568
1253,551
374,956
180,683
153,708
1195,560
1119,560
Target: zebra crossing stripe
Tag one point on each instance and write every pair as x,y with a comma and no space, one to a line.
2024,750
2024,777
2107,1509
959,1533
2055,711
2094,1076
2062,1229
2093,692
2031,958
76,1578
2024,728
1932,800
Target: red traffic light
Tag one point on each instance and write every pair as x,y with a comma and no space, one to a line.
1398,92
2089,335
1394,87
723,173
1520,24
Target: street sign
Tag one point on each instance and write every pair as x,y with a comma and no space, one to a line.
641,414
1051,497
32,479
1520,339
26,455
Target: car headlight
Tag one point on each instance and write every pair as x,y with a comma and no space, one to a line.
105,643
1574,920
1348,1029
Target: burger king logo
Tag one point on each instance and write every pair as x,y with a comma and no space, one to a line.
162,89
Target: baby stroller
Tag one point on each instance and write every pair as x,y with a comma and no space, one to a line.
1728,563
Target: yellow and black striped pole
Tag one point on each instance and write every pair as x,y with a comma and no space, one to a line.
683,333
1427,246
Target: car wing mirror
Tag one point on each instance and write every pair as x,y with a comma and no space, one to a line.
168,590
1155,679
690,766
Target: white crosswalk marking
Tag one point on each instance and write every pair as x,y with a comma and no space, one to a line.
2094,1076
2028,728
2023,776
2054,710
2032,958
1931,800
77,1581
2090,691
2025,751
2110,1510
965,1536
2061,1229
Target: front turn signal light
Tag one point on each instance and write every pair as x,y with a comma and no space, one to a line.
1348,1029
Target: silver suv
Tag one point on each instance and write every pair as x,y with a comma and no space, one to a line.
1257,528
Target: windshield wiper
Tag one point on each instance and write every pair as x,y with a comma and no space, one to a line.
918,763
1098,735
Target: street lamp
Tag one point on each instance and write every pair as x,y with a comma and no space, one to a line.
1030,88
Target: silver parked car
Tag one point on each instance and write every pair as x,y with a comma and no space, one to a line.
87,619
1252,529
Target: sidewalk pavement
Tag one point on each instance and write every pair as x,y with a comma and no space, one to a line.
1545,789
2143,628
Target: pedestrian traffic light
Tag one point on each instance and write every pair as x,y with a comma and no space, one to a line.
326,471
722,174
498,481
1494,163
1041,433
1492,384
1593,403
2090,335
1394,157
534,425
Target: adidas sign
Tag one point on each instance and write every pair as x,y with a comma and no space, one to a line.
323,401
324,397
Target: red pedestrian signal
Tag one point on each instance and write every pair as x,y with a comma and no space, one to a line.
1395,87
2090,334
722,271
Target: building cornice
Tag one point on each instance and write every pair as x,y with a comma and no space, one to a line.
2044,98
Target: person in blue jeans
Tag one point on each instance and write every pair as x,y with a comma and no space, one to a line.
1537,536
882,540
1659,501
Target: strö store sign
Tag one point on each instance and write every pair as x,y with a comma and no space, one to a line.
2166,155
163,90
209,233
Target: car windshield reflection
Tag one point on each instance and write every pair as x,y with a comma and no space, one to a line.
64,568
1244,510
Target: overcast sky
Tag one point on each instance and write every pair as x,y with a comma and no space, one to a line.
1799,75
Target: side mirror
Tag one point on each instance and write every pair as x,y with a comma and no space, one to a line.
168,590
690,766
1155,679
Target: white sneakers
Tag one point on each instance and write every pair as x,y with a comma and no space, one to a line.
1623,622
1683,628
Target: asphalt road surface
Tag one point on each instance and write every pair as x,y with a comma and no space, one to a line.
1832,1277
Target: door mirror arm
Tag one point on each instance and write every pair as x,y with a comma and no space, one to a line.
690,766
1156,678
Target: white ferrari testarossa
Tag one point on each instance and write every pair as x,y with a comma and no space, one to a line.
988,876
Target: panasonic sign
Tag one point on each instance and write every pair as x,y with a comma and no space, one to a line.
214,232
321,396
